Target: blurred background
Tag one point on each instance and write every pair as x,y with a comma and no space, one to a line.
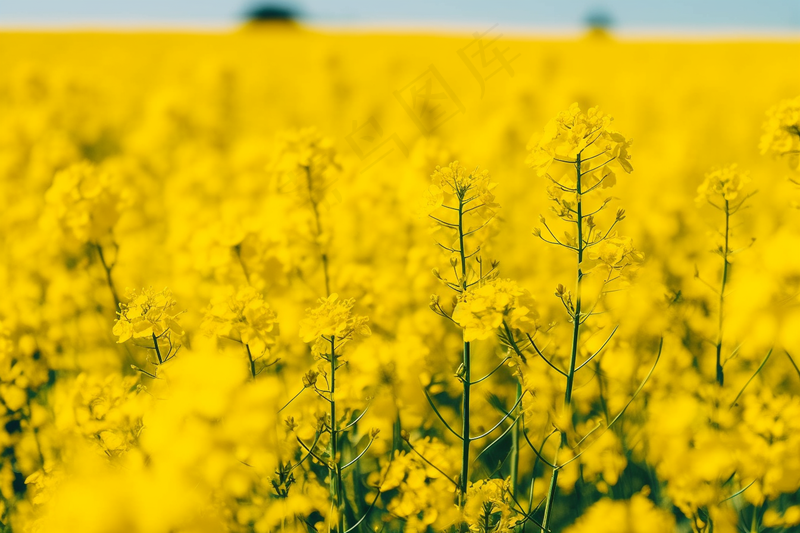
763,17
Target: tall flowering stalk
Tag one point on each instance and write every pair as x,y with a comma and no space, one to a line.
580,154
500,307
328,328
724,189
307,164
86,201
461,202
467,198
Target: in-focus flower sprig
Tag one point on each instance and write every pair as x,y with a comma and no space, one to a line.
725,189
328,328
244,316
580,154
150,315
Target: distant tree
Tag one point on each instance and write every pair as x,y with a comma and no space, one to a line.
598,18
272,13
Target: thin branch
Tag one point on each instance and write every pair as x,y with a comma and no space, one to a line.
435,410
554,367
443,223
601,165
791,360
293,399
764,362
360,455
366,513
735,494
598,351
498,367
451,480
526,515
537,452
479,437
354,422
315,456
619,415
495,441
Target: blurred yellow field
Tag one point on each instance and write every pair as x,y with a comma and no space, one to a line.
254,281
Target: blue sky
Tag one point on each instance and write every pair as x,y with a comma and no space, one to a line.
627,14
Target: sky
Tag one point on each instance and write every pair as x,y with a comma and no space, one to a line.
747,15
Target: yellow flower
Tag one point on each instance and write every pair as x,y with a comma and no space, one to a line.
305,161
147,313
244,316
724,183
781,135
574,133
615,253
487,508
85,201
332,319
482,310
456,180
637,515
419,488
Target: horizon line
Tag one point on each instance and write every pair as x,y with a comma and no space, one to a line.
568,31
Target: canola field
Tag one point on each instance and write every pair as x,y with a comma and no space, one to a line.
284,280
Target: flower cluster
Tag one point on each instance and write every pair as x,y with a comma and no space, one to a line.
781,132
497,415
147,314
332,321
457,182
488,508
481,310
615,254
723,183
243,316
85,200
305,160
637,515
577,136
416,486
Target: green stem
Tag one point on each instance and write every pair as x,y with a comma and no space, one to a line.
466,376
576,326
397,430
107,269
464,479
318,223
515,445
336,474
158,350
725,253
252,362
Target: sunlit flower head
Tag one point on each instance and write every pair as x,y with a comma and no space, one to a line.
483,309
723,183
245,316
147,313
577,136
